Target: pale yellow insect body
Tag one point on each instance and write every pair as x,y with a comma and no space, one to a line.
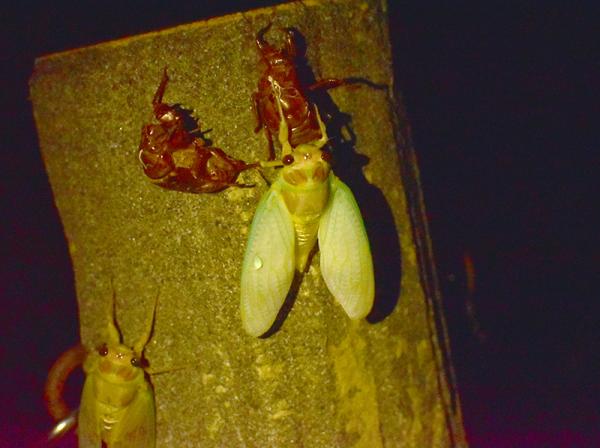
117,402
305,190
305,203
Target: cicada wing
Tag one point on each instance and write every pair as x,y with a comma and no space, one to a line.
346,262
268,268
88,421
137,427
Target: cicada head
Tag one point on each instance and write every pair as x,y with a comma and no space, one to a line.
307,162
119,361
305,165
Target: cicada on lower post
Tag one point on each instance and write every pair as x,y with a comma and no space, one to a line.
305,203
117,403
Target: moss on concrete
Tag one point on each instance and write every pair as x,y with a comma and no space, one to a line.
321,380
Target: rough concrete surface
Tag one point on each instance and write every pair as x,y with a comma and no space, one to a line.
321,380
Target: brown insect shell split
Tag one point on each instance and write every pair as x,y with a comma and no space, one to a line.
280,66
176,159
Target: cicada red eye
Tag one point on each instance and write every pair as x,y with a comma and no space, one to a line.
288,159
103,350
326,156
136,362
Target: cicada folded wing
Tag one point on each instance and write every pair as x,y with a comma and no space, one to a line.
137,428
346,263
268,268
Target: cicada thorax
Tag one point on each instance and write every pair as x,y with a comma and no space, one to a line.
118,375
306,206
305,188
120,396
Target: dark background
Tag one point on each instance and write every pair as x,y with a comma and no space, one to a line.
503,103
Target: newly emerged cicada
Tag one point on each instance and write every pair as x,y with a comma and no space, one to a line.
117,403
305,203
177,158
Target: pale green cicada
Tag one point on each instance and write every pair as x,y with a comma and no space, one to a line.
117,403
305,203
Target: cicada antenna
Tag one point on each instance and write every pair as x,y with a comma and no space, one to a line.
138,347
112,327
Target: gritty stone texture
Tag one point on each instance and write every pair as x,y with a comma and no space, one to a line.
321,380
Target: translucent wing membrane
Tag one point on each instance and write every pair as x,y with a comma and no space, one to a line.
346,262
268,268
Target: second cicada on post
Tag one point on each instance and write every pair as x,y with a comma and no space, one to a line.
305,203
117,403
